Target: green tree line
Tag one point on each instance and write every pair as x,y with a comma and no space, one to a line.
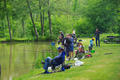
43,19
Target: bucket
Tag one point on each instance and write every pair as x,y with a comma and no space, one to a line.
52,43
92,51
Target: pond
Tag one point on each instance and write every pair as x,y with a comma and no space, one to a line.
18,58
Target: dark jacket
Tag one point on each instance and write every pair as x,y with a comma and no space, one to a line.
97,34
59,59
67,42
62,35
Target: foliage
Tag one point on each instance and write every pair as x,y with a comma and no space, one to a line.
51,53
82,15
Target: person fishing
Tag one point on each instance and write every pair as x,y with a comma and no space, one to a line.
74,36
67,43
61,37
55,61
71,46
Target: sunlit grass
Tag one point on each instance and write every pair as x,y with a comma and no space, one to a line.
99,67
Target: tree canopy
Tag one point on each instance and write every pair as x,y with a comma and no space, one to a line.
36,19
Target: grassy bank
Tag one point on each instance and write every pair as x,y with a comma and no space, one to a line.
53,38
99,67
4,40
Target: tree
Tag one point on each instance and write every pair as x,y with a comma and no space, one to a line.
32,19
49,17
8,20
41,18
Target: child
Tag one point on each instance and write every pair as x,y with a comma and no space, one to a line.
81,48
80,51
91,45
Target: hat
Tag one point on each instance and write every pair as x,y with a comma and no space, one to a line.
59,48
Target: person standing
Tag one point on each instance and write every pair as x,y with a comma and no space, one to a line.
61,34
97,37
61,37
67,42
91,45
71,46
74,36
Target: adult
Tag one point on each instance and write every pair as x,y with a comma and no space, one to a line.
61,33
61,37
55,61
74,36
71,46
67,42
97,37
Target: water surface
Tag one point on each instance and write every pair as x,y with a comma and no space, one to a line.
18,58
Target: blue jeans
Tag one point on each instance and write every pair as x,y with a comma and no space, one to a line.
66,51
90,47
97,42
47,63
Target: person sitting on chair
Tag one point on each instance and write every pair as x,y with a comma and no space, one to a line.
55,61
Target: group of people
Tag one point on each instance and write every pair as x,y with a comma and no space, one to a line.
68,42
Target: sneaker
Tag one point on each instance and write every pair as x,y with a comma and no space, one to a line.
46,72
62,69
67,59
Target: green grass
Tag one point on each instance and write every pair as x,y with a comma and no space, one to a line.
99,67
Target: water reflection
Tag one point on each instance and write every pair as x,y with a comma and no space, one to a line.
24,55
10,63
17,58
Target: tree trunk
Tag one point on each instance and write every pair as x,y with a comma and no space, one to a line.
49,17
32,19
41,19
3,24
23,27
42,27
9,27
8,21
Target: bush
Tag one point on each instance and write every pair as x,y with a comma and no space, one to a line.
38,64
51,53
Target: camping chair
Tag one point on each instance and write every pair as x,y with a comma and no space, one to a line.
57,64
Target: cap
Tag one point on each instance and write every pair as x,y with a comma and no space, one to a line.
59,48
